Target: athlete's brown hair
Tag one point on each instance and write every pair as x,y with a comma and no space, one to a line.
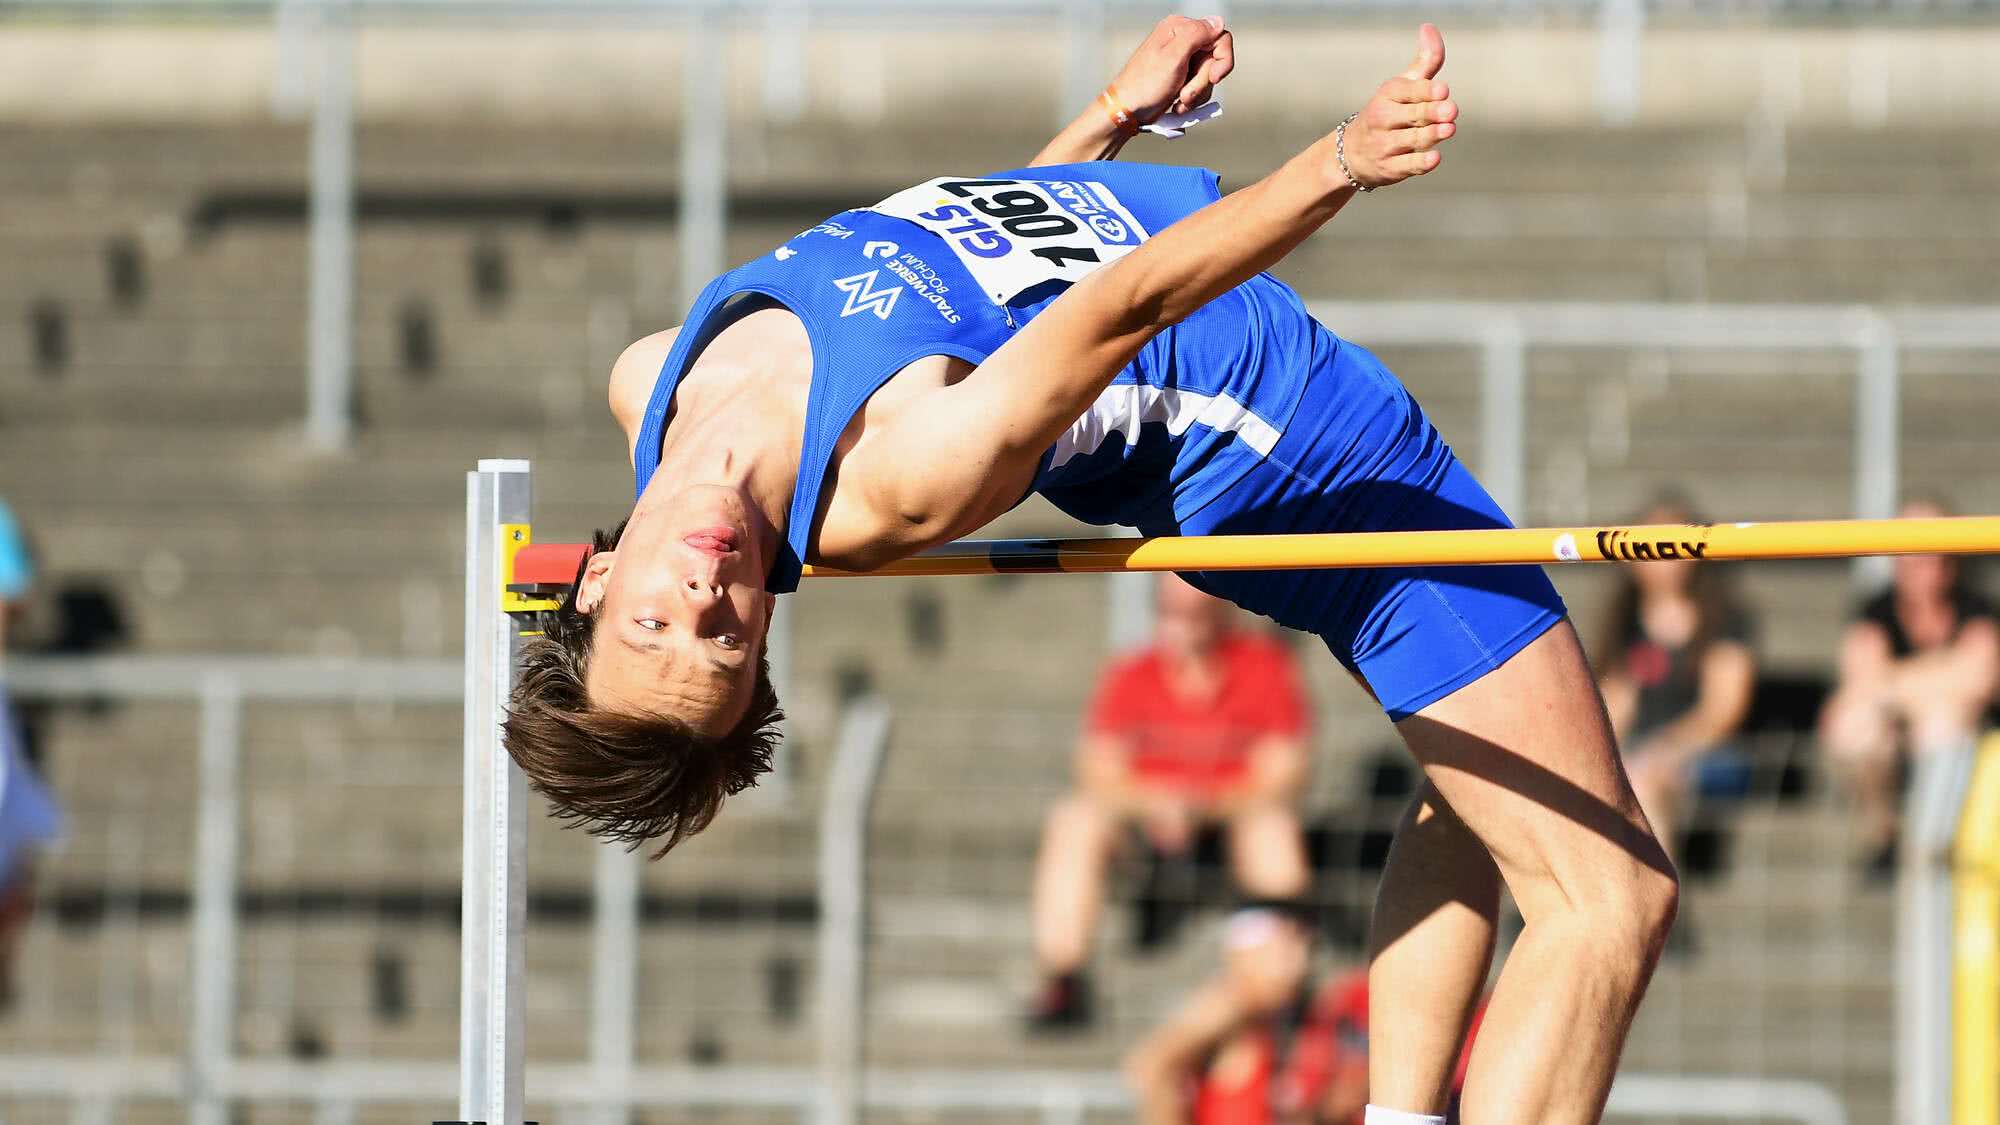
620,776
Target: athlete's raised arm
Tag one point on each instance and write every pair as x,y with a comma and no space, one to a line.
1177,67
965,454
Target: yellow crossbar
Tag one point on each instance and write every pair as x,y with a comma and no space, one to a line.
1799,539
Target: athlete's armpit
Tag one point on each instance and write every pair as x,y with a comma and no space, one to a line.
632,379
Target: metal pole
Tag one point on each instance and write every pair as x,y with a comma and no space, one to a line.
704,150
1877,431
330,285
1924,934
1621,32
1503,413
785,24
212,947
850,787
291,47
491,1022
1130,621
614,977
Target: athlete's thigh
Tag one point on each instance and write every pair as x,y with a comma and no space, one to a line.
1526,758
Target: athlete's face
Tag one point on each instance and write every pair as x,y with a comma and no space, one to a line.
1188,622
681,611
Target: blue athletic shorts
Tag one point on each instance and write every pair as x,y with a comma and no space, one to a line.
1359,455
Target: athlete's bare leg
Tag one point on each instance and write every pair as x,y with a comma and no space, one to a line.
1432,944
1526,759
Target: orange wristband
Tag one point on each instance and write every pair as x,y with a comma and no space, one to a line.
1121,118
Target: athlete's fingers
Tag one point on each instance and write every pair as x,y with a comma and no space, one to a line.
1206,72
1411,164
1412,90
1421,139
1430,54
1409,115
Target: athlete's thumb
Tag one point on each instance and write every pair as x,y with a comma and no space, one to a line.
1430,54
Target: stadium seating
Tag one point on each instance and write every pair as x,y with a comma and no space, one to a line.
151,347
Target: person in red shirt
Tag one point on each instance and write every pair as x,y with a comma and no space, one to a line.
1206,725
1258,1044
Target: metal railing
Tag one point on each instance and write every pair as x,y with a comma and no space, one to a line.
210,1077
219,686
1503,332
1060,1097
316,38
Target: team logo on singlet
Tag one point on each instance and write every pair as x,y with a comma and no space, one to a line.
1018,235
863,296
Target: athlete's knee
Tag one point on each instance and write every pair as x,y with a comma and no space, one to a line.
1623,904
1632,906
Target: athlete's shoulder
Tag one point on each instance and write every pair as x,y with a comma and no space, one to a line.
633,375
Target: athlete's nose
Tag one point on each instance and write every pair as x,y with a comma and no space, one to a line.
703,589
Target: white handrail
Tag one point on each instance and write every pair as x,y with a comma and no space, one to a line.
1716,1097
843,887
186,676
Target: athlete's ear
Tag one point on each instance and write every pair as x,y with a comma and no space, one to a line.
590,586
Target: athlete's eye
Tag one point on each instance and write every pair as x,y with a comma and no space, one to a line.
729,641
651,624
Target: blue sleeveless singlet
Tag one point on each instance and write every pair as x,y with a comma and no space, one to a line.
954,267
1246,417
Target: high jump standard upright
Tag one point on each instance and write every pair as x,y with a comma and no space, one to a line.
507,581
494,900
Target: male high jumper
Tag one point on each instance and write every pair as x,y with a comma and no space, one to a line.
899,375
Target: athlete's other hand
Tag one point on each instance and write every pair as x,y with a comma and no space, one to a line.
1397,134
1176,67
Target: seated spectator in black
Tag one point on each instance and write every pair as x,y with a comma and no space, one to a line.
1204,727
1678,673
28,817
1258,1044
1919,667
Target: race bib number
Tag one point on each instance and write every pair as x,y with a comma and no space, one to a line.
1016,235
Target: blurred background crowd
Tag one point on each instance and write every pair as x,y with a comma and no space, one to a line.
1120,825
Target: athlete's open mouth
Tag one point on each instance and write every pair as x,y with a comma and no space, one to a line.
712,540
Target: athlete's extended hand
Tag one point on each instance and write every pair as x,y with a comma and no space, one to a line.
1396,134
1176,68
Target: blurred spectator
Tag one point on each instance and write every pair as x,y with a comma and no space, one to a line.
1206,726
1257,1045
1919,667
1678,674
28,817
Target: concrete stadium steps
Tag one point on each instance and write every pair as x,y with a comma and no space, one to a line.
92,989
346,797
1789,977
949,972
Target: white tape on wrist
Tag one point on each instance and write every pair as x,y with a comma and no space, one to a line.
1173,125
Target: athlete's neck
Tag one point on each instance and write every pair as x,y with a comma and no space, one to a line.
738,418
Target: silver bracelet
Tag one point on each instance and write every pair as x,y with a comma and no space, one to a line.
1340,152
